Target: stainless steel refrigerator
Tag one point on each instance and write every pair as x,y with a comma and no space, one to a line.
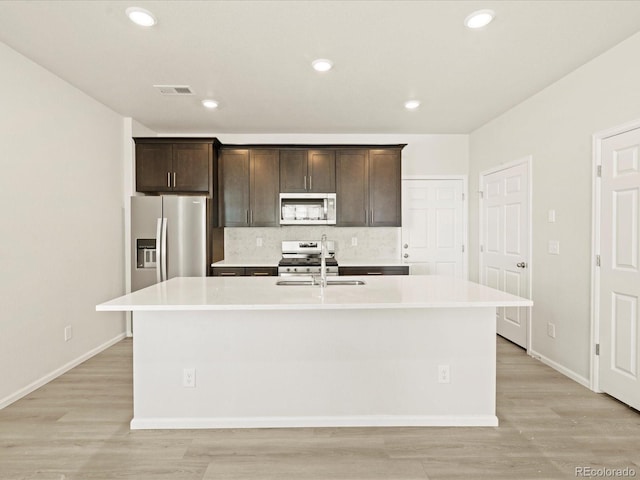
169,239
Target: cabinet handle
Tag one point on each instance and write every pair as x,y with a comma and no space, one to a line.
374,273
227,274
310,187
250,216
247,216
305,182
169,179
371,217
174,179
260,274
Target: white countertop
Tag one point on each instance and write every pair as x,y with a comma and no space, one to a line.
251,293
385,262
347,262
247,263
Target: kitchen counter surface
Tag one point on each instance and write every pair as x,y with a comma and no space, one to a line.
247,263
385,262
346,262
250,293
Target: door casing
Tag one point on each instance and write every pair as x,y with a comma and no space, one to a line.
596,189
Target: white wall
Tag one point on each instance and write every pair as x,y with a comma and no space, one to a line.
556,128
423,155
61,242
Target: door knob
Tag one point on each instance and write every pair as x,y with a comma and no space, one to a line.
521,265
406,255
406,245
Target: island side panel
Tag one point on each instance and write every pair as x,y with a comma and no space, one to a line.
307,368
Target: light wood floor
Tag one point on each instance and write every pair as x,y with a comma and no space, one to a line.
77,428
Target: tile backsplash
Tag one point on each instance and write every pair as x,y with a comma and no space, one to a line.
372,243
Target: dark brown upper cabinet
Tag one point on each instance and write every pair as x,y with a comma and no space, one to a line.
352,187
174,165
250,182
368,184
307,171
385,184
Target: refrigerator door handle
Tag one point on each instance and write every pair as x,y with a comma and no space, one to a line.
159,250
163,251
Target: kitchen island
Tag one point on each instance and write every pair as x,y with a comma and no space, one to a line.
220,352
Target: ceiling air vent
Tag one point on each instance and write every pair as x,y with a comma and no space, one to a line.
174,89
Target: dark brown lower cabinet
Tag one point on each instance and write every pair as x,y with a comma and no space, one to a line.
244,271
394,270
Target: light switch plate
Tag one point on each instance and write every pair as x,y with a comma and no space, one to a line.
551,216
554,247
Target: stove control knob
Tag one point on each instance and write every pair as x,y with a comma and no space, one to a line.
308,269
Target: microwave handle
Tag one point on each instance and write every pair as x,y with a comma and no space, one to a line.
325,204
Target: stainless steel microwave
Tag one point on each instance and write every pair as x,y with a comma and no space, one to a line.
307,209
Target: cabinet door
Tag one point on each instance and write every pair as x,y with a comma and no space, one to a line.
399,270
191,167
234,166
321,167
384,188
352,188
293,171
153,167
261,271
228,271
265,186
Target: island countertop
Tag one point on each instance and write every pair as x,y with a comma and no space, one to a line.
251,293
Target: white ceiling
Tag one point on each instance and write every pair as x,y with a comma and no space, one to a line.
254,57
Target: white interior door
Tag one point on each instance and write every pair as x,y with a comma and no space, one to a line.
433,232
505,240
619,274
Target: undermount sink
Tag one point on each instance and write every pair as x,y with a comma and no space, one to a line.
311,283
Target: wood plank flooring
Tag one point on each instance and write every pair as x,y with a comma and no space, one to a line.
77,428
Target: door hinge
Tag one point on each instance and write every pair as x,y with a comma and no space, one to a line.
597,260
463,197
481,248
599,173
481,193
462,248
597,349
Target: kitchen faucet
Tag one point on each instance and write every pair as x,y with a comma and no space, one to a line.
323,261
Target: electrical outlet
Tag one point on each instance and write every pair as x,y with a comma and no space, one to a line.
444,374
551,330
258,241
354,241
68,333
189,377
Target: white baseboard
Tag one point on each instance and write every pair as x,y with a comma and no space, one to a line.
57,372
563,370
300,422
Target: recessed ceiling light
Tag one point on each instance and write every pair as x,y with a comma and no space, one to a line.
322,65
141,17
479,19
411,104
210,103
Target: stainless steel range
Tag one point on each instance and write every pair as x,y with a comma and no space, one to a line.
303,257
